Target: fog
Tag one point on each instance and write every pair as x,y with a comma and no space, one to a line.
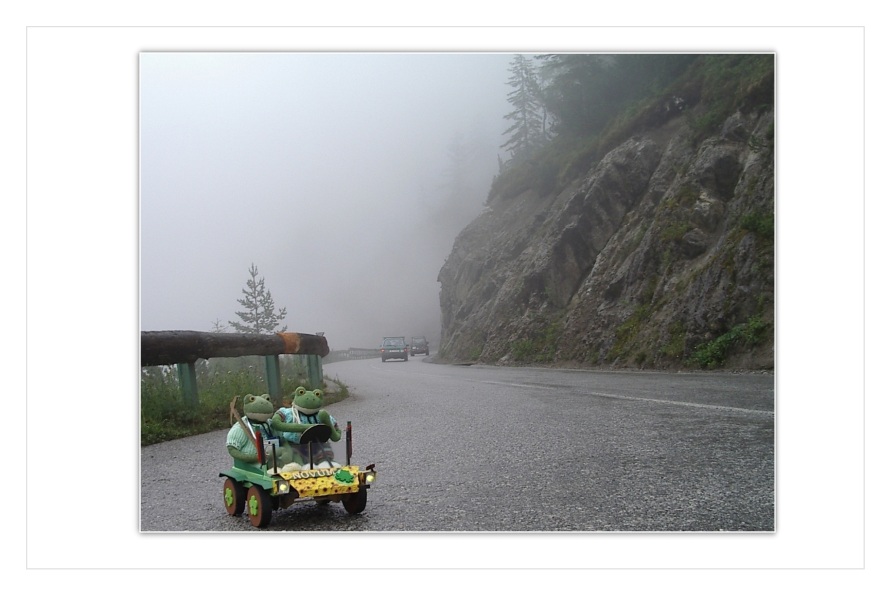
343,177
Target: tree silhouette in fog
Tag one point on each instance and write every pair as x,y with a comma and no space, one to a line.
258,315
529,128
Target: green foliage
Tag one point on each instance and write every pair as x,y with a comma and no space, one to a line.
537,173
707,123
523,350
259,315
676,344
675,231
586,91
627,332
511,182
540,347
576,156
745,335
166,416
685,196
760,223
729,83
645,114
547,169
598,101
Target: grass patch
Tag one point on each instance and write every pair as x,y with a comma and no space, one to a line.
538,172
760,223
627,332
165,415
745,335
676,344
523,350
541,347
675,231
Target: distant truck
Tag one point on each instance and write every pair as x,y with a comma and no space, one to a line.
419,345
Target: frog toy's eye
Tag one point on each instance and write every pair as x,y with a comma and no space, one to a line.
266,397
251,398
317,392
301,390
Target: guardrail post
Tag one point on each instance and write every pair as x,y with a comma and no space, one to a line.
313,364
188,382
273,377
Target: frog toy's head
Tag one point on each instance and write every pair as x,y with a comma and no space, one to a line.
308,402
258,408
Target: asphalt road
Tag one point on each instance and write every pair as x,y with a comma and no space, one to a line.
492,449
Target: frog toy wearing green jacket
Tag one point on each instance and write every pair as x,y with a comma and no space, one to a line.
254,427
305,412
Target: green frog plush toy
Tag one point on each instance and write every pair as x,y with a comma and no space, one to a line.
241,442
305,412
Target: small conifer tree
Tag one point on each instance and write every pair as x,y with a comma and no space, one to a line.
258,315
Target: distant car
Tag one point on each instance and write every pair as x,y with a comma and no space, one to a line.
394,347
420,346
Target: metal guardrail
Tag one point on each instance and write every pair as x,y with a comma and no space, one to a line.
351,354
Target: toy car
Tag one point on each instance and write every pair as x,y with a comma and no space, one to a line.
262,490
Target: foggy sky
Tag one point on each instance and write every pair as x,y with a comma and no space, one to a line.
329,171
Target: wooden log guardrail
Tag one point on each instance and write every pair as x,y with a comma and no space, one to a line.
184,348
172,347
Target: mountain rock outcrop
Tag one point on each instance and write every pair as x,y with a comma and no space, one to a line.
661,255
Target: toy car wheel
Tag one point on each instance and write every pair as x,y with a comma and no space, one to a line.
259,506
355,503
234,495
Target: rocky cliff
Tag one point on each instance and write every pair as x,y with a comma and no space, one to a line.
659,255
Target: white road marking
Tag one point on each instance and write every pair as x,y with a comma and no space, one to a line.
639,399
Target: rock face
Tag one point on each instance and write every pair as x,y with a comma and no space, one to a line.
660,256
